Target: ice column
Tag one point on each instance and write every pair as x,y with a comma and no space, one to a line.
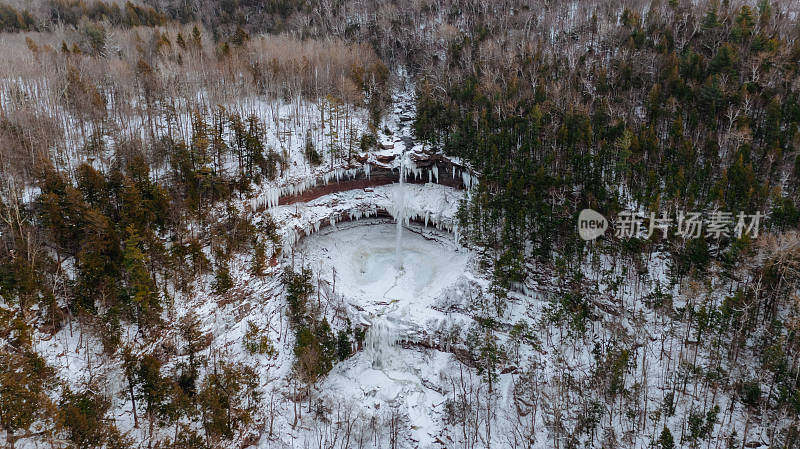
400,206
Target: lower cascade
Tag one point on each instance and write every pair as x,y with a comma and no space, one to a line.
380,341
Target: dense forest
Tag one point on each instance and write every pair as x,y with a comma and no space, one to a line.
132,133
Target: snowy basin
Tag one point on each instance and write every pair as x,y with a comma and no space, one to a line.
362,258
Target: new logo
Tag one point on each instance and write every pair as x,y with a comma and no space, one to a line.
591,224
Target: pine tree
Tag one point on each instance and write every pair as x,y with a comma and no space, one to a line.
254,146
222,279
240,37
200,141
259,258
310,151
130,367
153,389
344,347
26,382
665,440
84,417
327,345
140,289
196,38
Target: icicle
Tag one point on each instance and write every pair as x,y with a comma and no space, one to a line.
274,197
413,169
436,173
466,179
367,169
291,237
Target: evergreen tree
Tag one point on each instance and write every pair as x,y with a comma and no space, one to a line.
26,382
140,290
152,389
222,279
84,417
344,347
665,440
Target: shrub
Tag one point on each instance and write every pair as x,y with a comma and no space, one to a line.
312,155
222,279
257,341
83,415
368,141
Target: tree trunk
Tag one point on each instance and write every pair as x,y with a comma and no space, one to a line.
133,403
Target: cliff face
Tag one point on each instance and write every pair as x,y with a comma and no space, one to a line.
383,169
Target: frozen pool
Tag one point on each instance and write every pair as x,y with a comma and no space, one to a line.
363,259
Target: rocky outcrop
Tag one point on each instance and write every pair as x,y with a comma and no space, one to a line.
369,171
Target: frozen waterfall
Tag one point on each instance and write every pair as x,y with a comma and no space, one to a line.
380,342
400,205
